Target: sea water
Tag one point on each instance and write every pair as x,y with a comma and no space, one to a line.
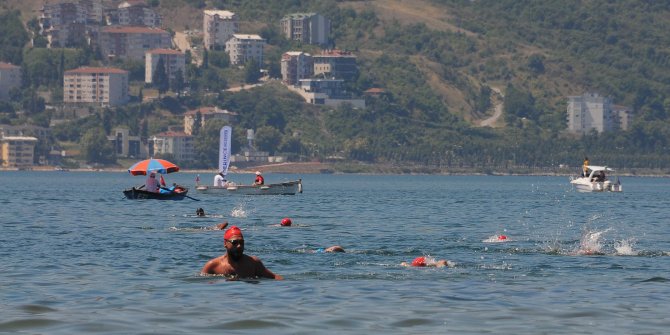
79,258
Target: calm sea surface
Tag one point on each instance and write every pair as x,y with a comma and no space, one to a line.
76,257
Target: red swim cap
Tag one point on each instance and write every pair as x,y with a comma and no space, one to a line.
232,231
502,237
419,261
286,222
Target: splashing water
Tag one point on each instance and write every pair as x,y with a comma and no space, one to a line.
238,212
590,243
625,247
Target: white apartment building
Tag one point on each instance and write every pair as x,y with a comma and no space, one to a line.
592,111
177,144
207,114
10,77
242,48
173,60
218,27
17,151
135,13
96,85
296,65
131,42
311,28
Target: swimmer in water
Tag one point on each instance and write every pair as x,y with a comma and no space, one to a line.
334,248
200,212
427,261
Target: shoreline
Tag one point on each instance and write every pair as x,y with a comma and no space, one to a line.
366,169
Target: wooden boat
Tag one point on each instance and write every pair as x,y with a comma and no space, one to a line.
179,193
285,188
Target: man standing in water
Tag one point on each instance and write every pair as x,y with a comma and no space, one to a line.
235,263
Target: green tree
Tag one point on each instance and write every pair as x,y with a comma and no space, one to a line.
160,78
268,138
252,72
96,147
177,83
13,37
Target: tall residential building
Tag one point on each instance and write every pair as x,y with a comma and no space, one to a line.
133,13
131,42
624,115
296,65
96,85
206,114
310,28
336,64
177,144
242,48
17,151
173,60
70,23
126,145
10,77
218,27
591,111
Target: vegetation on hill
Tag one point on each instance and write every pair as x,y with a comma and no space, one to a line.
440,70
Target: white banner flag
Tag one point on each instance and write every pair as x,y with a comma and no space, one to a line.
224,149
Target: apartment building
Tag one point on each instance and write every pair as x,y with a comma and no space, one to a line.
17,151
218,27
133,13
207,114
242,48
132,42
66,24
10,77
336,64
96,85
126,145
177,144
310,28
592,111
173,60
296,65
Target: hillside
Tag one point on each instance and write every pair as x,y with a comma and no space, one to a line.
449,66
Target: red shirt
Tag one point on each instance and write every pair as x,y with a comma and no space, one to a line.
259,180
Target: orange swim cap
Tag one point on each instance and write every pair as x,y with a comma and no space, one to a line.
286,222
232,231
419,261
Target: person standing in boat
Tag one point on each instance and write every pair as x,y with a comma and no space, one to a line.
151,183
585,167
220,179
259,179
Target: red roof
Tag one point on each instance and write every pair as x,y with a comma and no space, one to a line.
107,70
6,66
165,52
132,30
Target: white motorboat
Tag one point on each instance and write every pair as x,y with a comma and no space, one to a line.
596,180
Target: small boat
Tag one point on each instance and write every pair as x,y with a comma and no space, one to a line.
596,180
179,193
285,188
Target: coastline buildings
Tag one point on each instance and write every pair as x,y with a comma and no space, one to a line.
70,23
133,13
17,151
96,85
126,145
177,144
218,27
592,111
10,77
173,60
242,48
310,28
206,114
132,42
336,64
296,65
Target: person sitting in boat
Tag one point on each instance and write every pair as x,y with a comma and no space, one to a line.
168,190
220,179
259,179
585,167
151,183
600,177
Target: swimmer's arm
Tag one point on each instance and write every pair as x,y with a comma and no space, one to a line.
209,268
262,271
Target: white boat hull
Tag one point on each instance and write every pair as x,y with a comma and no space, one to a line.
584,184
286,188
